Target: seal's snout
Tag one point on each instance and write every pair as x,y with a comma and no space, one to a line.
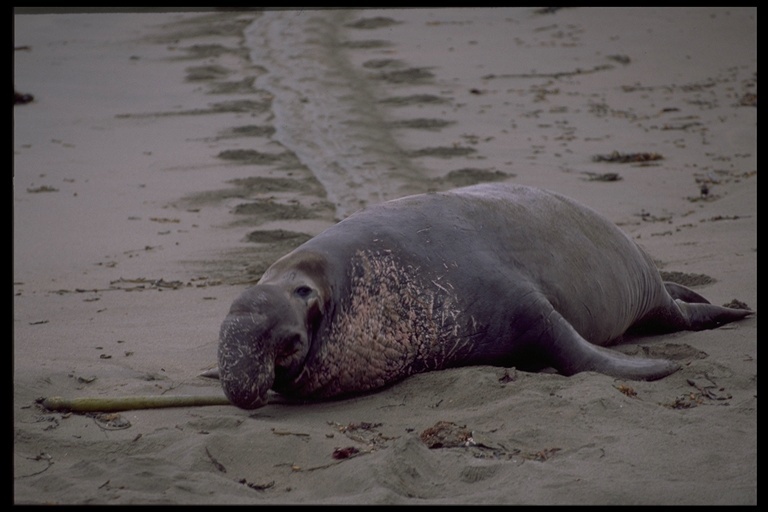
245,371
263,330
244,400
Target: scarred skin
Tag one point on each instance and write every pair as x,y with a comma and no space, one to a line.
490,274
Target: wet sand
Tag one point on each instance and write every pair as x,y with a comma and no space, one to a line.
167,159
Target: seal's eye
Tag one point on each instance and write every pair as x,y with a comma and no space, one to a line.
303,291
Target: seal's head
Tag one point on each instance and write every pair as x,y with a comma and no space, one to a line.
265,339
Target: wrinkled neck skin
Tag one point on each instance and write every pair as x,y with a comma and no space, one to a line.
270,329
383,325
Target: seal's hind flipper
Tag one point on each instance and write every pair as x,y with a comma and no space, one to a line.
676,314
569,353
708,316
678,291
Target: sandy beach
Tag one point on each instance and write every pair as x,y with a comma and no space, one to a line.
166,159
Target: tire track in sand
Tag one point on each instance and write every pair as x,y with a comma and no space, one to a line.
325,111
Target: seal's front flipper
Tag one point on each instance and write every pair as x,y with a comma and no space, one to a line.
569,353
213,373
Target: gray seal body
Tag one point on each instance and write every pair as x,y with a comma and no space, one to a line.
489,274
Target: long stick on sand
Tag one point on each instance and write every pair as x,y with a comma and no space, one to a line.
128,403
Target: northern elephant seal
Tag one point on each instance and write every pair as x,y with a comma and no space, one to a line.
488,274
